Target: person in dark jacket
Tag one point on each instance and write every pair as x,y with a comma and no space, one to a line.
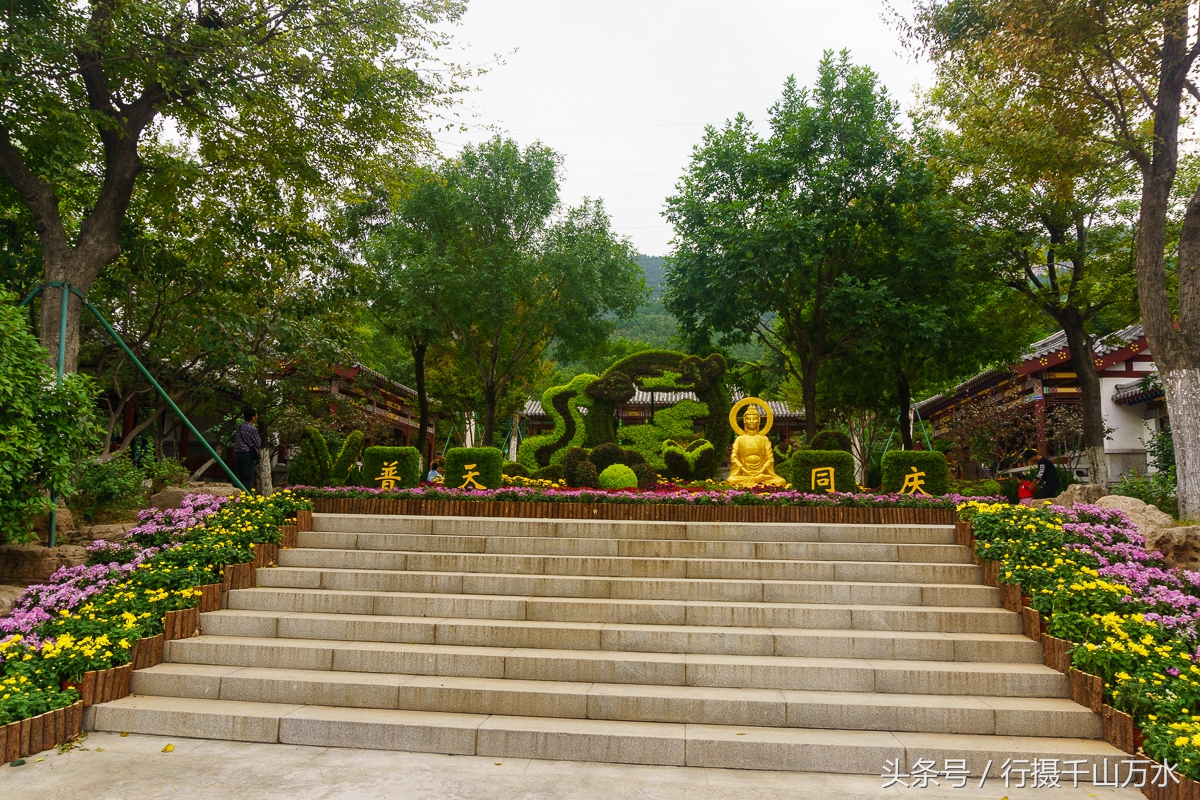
245,448
1045,483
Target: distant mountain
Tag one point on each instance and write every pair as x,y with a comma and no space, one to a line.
652,323
653,266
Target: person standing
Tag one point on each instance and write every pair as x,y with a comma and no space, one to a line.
1045,483
245,448
971,469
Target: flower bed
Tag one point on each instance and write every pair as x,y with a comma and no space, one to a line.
90,618
668,495
1129,618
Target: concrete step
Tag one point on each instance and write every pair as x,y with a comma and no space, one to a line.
586,586
1011,648
945,619
610,666
501,736
1004,716
613,529
637,566
498,547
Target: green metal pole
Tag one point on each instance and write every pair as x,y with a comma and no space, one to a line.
170,403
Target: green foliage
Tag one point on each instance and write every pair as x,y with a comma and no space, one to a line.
488,462
693,461
1157,489
561,404
618,476
898,463
407,461
803,462
164,472
984,488
44,429
646,476
571,461
831,440
516,468
671,423
108,485
607,454
586,476
347,458
311,466
554,472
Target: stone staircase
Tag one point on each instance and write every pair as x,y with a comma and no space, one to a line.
826,648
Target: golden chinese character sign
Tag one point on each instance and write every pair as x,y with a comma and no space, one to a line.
470,476
913,482
752,459
389,476
822,479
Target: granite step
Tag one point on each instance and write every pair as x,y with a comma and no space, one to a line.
502,736
778,708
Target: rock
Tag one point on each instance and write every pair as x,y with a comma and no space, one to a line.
172,496
1086,493
8,596
33,563
1147,518
109,533
1180,547
64,522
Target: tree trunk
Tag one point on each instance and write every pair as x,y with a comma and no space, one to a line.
904,399
808,386
1182,388
489,417
418,355
51,314
1094,430
262,473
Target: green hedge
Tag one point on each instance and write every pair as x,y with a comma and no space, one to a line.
554,472
562,405
488,462
693,462
406,459
898,463
803,462
831,440
515,468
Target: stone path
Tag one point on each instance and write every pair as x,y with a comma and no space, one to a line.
111,767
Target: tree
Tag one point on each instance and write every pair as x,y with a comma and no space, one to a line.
45,428
509,274
312,95
1048,218
766,228
1128,68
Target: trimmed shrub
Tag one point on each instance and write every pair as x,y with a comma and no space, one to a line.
647,478
899,463
515,468
984,488
312,465
672,423
487,463
347,458
571,460
831,440
561,404
586,476
618,476
695,461
407,462
803,462
165,472
605,455
554,472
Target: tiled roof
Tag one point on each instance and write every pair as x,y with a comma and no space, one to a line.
1102,347
1139,391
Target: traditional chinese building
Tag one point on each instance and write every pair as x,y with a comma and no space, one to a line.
1131,398
642,406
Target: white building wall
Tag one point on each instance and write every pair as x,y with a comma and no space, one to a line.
1124,446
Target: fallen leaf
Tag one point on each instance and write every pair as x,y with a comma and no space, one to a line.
99,749
169,748
741,734
498,763
40,760
20,762
124,733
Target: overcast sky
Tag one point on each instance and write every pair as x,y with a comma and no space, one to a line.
623,89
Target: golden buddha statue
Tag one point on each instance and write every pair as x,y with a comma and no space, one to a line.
752,460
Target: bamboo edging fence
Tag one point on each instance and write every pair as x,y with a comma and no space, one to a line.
648,512
1086,689
33,735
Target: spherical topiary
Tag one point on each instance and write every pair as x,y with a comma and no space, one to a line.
631,458
554,472
586,476
515,468
618,476
572,459
605,455
647,478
